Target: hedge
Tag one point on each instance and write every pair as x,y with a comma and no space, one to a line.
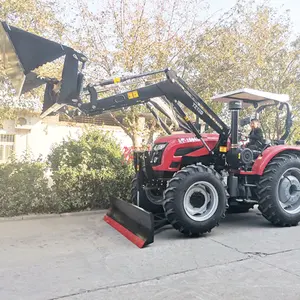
24,188
84,174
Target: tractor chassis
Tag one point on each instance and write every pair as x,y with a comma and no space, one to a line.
241,188
146,177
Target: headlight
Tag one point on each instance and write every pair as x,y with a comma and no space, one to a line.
159,147
156,153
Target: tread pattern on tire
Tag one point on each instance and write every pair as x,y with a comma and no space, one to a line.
169,196
264,188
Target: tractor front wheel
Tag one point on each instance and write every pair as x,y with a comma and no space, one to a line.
146,199
279,190
195,200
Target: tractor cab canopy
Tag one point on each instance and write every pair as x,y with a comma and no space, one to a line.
252,97
259,100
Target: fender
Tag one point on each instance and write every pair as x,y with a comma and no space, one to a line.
262,161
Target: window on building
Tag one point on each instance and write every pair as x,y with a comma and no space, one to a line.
7,146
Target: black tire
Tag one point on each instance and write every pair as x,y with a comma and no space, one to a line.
239,208
269,200
144,203
174,200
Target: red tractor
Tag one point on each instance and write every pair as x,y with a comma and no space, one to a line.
188,180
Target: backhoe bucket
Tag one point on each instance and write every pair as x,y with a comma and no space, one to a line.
22,52
136,224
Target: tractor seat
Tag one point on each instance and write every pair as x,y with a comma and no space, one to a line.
266,142
256,153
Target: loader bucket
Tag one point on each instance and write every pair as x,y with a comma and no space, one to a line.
22,52
133,222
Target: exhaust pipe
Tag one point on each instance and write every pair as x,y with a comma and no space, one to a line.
133,222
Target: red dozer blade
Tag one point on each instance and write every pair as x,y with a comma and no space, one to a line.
133,222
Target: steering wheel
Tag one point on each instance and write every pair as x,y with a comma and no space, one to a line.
242,136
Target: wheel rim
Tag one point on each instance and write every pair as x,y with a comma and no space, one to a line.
288,191
201,201
154,196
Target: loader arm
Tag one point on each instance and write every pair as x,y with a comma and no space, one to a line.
162,124
173,88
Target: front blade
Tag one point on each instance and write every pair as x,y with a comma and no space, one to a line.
133,222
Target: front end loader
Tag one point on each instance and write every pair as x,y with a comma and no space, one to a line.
188,180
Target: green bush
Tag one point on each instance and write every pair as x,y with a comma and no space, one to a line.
89,171
24,188
86,174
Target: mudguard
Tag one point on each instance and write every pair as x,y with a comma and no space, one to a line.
133,222
268,154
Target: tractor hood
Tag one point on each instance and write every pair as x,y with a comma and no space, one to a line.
187,138
167,152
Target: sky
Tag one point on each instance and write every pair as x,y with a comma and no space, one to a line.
292,5
220,6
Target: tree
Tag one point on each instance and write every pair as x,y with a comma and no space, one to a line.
134,37
251,49
248,46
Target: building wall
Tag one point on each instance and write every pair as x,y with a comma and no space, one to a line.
38,136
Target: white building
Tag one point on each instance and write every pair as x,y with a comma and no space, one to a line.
31,133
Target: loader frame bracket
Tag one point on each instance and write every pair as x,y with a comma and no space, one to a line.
160,221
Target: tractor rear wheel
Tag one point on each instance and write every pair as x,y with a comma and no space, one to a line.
195,200
279,190
146,199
